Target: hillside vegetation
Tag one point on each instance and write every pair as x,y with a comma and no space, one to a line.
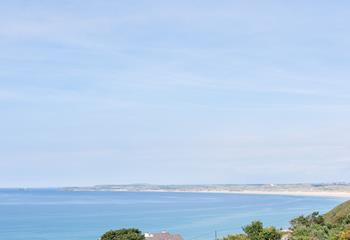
338,214
334,225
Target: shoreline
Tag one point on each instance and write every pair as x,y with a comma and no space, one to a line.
345,195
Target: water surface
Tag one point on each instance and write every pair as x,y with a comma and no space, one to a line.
50,214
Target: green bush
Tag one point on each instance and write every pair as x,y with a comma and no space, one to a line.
123,234
334,225
256,231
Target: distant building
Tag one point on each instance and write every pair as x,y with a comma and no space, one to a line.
286,234
162,236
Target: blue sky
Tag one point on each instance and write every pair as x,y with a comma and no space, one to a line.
98,92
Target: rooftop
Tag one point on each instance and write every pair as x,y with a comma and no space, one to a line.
162,236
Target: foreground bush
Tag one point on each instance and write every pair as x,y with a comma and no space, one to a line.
256,231
123,234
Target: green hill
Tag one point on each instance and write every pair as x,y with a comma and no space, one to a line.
338,213
334,225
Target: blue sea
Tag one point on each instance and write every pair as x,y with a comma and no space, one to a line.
50,214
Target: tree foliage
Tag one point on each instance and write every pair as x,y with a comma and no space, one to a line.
334,225
123,234
314,227
256,231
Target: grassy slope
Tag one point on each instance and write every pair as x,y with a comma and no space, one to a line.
338,213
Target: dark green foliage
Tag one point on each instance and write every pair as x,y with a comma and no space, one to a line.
346,220
299,221
316,227
314,218
123,234
334,225
256,231
270,233
310,232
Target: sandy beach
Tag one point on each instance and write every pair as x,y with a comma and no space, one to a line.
301,193
337,194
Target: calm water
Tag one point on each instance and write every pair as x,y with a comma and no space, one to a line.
56,215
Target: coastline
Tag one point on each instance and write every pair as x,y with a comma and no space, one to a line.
345,195
335,194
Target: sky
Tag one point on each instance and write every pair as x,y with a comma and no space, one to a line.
174,92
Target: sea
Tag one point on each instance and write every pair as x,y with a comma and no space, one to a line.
52,214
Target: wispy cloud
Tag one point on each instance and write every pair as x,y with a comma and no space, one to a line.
177,86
